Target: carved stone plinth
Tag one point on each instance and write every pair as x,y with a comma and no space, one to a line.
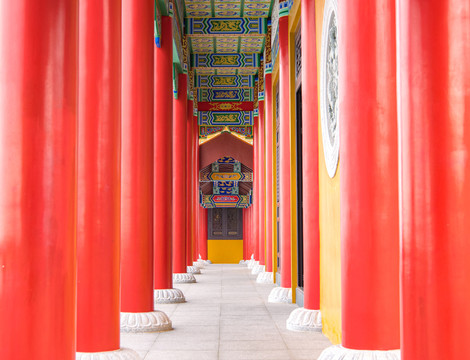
338,352
242,262
145,322
193,270
121,354
280,295
199,264
168,296
252,263
302,319
265,278
183,278
257,269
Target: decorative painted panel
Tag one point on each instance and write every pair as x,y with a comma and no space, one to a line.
224,81
225,60
225,201
246,177
225,26
218,95
157,25
246,131
225,106
268,66
226,160
227,8
226,71
205,131
243,131
228,118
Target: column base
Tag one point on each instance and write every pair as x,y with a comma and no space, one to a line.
337,352
184,278
168,296
280,295
121,354
199,264
242,262
252,263
302,319
257,269
265,278
193,270
145,322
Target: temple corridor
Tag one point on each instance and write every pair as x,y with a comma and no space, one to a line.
227,316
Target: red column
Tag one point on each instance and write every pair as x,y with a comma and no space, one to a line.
38,121
202,238
195,182
311,235
179,222
137,171
255,209
261,188
269,176
163,148
435,172
369,174
284,153
99,176
189,184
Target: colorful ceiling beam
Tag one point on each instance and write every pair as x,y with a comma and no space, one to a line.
245,132
224,81
219,176
225,118
226,71
225,201
224,95
224,8
232,60
225,26
226,106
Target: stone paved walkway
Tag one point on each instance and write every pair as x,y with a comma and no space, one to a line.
226,317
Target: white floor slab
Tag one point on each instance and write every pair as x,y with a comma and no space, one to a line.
226,317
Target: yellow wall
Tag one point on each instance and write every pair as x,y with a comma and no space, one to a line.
330,255
225,251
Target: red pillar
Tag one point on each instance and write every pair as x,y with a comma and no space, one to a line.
99,176
202,238
137,298
435,189
195,184
38,121
163,152
269,176
261,188
189,184
369,174
254,213
179,221
311,236
284,153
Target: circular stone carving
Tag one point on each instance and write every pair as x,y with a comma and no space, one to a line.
265,278
280,295
184,278
193,270
338,352
257,269
145,322
302,319
168,296
329,101
121,354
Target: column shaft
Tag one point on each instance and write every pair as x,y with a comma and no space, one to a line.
202,238
369,174
195,183
179,211
163,153
434,82
261,187
311,234
38,130
99,176
137,157
269,177
284,154
189,184
256,197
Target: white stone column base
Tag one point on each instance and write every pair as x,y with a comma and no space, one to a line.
199,264
193,270
145,322
302,319
257,269
183,278
252,264
242,262
265,278
121,354
280,295
168,296
337,352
